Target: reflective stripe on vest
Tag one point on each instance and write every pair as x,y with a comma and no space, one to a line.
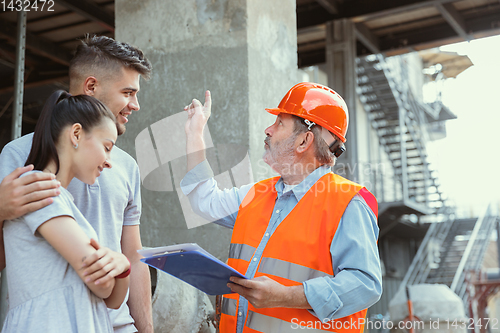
288,270
262,323
228,306
241,251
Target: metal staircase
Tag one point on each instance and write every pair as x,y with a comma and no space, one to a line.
451,249
428,256
451,252
399,121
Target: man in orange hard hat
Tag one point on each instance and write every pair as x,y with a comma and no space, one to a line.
306,240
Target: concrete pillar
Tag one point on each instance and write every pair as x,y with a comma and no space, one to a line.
245,52
341,71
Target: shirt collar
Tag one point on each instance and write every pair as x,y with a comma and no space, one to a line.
301,189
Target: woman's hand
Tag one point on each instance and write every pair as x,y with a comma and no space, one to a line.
103,265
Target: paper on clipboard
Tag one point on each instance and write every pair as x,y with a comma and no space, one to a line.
171,248
192,264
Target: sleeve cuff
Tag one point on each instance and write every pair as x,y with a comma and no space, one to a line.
198,174
323,300
131,222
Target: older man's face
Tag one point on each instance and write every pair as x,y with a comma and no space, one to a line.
279,144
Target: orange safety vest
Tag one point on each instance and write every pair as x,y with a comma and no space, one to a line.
297,251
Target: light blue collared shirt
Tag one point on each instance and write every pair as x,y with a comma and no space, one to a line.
357,281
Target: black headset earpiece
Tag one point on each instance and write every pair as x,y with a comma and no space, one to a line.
337,148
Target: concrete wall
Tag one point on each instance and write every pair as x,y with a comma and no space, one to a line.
244,51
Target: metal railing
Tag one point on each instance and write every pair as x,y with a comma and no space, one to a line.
473,255
427,256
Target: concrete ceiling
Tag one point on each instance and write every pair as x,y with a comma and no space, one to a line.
395,26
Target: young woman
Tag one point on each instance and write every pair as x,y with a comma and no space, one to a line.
49,289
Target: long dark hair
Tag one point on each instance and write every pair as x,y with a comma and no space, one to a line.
60,110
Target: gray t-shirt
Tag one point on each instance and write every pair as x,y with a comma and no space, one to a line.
113,201
45,292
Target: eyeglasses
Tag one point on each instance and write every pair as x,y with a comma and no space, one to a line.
309,124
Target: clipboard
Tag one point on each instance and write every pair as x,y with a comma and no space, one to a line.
193,265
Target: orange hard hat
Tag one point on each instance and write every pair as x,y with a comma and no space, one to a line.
316,103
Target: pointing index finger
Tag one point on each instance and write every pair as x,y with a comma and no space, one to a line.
208,100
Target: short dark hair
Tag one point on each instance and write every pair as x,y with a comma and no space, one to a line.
104,56
323,153
60,110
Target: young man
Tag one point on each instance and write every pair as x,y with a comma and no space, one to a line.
307,240
110,71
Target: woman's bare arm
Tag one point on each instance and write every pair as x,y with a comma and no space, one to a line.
66,236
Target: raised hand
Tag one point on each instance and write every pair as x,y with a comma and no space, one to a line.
198,115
